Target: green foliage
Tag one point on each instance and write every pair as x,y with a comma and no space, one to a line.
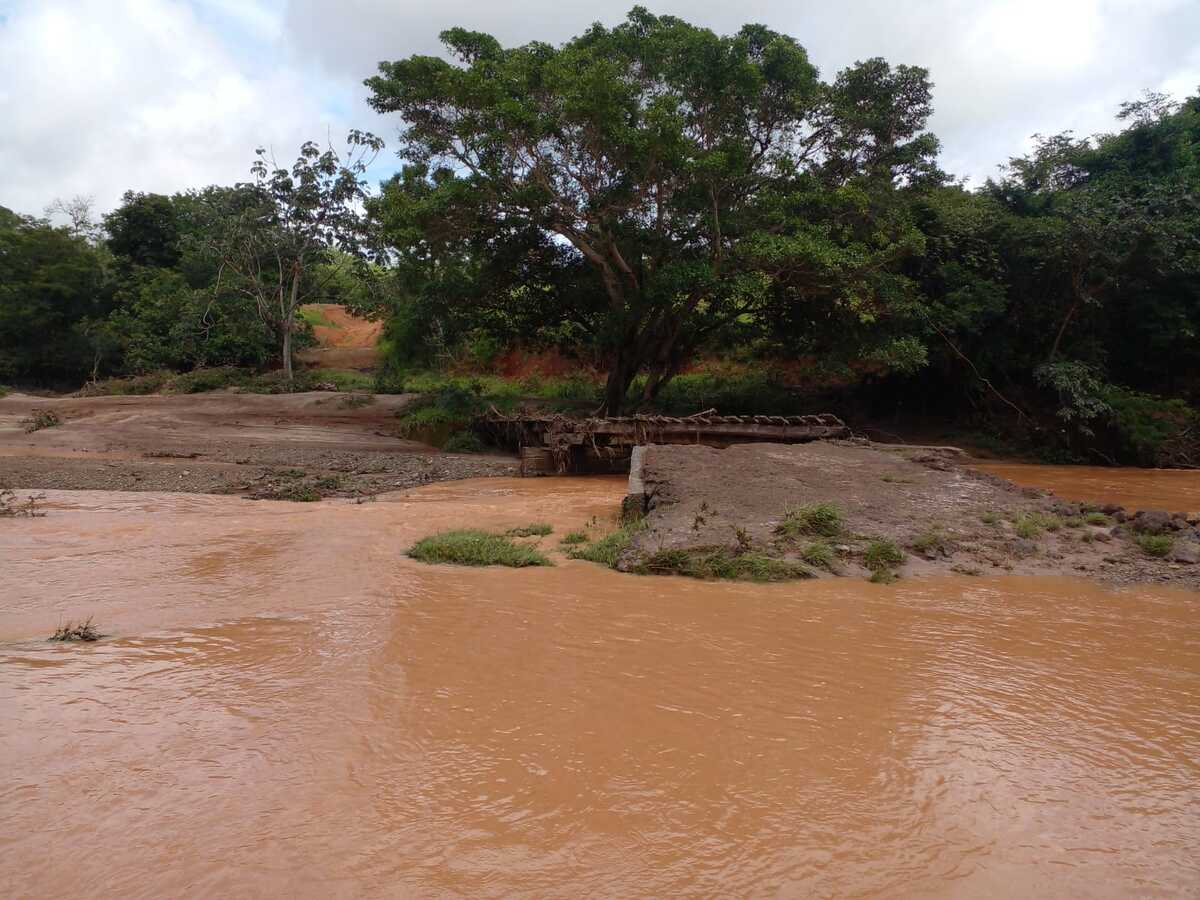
882,556
818,554
607,550
823,519
1097,518
574,538
1158,545
463,442
698,211
52,289
1031,525
471,547
721,564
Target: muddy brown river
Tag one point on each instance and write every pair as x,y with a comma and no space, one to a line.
287,706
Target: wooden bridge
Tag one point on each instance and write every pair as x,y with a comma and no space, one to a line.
556,443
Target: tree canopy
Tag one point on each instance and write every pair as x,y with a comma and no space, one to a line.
688,172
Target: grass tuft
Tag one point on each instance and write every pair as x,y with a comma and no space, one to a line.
818,554
574,538
471,547
1157,545
823,519
883,555
722,564
538,529
1097,518
608,549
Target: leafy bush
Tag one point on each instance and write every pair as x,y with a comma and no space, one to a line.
471,547
463,442
1152,431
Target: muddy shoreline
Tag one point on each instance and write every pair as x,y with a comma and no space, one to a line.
941,515
287,446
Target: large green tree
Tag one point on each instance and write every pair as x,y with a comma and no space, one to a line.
681,168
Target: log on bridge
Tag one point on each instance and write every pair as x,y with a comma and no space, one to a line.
555,443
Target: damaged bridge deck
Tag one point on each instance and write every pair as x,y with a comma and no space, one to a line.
556,443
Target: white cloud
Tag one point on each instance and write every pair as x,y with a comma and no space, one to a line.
99,96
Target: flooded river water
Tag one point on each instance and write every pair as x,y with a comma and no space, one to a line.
288,706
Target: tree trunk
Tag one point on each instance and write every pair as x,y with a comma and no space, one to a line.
620,375
289,323
287,353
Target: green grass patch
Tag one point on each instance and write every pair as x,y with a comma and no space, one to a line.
1073,522
990,518
314,317
722,564
819,554
824,519
471,547
607,550
882,556
537,529
1097,518
1031,525
574,538
1157,545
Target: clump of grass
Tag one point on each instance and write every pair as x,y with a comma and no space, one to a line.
538,529
607,550
39,419
932,542
722,564
1030,525
574,538
818,554
990,518
472,547
883,555
12,507
823,519
883,576
1097,518
1158,545
329,483
80,631
1073,522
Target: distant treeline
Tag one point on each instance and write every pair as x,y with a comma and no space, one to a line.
645,196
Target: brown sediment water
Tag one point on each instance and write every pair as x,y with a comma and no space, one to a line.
288,706
1173,490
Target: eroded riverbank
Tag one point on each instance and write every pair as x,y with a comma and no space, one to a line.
288,705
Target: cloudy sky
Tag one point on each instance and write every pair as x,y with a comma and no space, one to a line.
100,96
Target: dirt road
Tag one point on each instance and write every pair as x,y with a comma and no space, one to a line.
343,341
